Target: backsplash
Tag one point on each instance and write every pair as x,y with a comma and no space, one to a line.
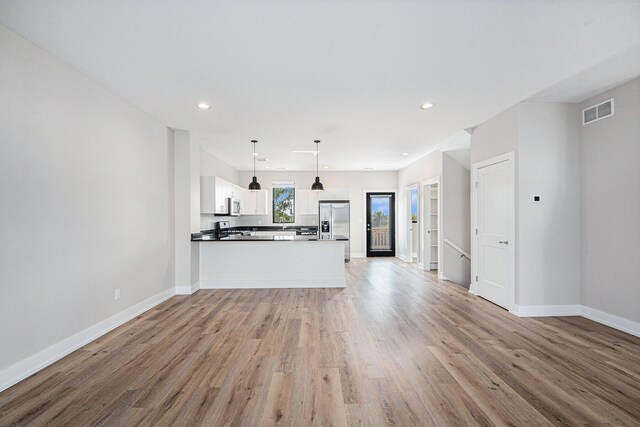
207,221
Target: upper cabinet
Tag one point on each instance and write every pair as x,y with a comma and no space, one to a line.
306,202
213,195
214,192
335,194
255,202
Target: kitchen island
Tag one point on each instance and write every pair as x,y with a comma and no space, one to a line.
299,261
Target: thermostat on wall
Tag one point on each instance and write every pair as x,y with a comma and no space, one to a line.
535,198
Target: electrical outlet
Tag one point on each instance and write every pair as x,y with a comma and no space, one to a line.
535,198
117,296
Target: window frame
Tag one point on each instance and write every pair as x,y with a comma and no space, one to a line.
273,202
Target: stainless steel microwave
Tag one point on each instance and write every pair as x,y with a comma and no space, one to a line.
234,206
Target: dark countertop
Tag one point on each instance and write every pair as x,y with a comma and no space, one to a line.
239,238
303,233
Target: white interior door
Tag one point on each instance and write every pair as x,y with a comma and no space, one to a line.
495,207
409,225
426,228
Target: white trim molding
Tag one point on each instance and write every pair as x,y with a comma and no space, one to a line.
546,310
357,255
273,284
425,253
188,290
34,363
607,319
616,322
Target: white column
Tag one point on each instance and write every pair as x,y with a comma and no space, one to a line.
187,210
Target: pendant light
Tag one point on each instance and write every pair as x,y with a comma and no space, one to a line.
254,185
317,185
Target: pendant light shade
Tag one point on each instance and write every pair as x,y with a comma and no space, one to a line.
317,185
254,185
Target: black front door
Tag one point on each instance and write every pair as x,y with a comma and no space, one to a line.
381,220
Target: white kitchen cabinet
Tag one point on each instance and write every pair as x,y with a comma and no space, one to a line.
236,191
306,202
334,194
255,202
262,202
213,195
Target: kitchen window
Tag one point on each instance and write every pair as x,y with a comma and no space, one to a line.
284,202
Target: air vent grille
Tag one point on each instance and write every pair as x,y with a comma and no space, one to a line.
597,112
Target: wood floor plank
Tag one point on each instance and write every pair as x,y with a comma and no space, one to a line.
397,347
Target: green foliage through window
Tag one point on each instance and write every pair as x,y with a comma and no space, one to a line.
284,201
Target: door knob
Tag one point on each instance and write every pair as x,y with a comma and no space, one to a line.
506,242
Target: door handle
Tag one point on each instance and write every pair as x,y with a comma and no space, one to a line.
506,242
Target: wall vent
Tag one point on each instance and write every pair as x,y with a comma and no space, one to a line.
597,112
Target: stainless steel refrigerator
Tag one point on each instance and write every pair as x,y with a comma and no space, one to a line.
334,223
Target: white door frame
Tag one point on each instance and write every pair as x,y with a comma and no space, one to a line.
364,217
511,250
407,192
426,252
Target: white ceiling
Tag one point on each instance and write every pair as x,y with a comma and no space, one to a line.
352,74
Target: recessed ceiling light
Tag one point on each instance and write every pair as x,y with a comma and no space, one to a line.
326,167
204,106
405,154
368,169
267,167
255,154
386,167
281,168
427,105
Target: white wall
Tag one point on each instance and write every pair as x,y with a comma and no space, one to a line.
456,220
427,167
351,183
545,138
212,165
87,202
610,173
498,135
549,231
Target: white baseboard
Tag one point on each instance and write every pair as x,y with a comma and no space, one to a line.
473,288
32,364
611,320
403,258
358,255
187,290
276,284
624,325
546,310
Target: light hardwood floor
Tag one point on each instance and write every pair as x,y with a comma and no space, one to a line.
397,348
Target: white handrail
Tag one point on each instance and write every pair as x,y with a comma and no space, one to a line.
457,248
